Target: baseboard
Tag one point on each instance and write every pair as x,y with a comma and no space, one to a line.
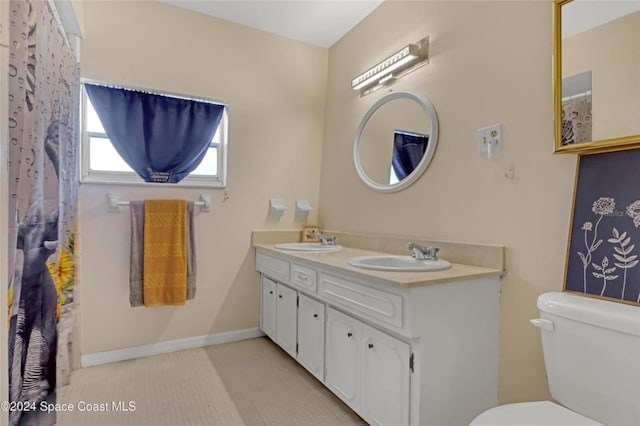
106,357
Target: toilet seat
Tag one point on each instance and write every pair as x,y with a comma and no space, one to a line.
539,413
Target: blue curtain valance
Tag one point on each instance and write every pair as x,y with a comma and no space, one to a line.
161,138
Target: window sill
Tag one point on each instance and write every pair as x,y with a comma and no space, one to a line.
114,182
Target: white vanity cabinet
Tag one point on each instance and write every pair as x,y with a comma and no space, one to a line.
311,335
268,308
385,373
295,322
278,314
396,352
367,369
343,354
286,318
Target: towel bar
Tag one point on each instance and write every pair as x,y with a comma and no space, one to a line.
114,203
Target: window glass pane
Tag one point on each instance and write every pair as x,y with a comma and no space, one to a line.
209,165
103,156
93,122
216,137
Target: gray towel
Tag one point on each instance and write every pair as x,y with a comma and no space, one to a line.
136,269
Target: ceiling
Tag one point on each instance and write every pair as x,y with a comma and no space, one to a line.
317,22
583,15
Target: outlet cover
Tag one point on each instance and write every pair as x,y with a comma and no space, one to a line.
489,139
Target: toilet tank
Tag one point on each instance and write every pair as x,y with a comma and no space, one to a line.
592,356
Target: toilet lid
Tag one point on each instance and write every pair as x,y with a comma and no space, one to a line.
540,413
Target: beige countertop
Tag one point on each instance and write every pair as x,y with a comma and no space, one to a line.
338,261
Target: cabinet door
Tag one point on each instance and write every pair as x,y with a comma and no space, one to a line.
385,378
311,335
286,317
268,308
343,353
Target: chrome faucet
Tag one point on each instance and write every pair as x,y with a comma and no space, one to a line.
423,253
327,240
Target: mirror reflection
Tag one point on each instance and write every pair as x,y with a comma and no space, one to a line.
395,141
600,72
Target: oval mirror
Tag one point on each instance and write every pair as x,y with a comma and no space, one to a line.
395,141
596,74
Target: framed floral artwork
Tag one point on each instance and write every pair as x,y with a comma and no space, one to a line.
603,258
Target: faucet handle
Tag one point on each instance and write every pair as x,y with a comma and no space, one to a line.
329,240
413,246
417,251
431,253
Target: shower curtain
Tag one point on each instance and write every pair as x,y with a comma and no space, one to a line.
43,134
576,120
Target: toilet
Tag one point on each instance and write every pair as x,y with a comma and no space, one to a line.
592,357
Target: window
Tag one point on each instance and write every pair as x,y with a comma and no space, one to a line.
100,162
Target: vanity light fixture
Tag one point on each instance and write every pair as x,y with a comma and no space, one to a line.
395,66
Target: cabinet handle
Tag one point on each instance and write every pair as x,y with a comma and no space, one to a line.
370,345
280,296
349,335
315,315
303,278
271,292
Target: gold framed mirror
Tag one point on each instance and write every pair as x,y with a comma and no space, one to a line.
596,74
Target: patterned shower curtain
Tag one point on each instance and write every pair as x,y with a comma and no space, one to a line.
576,120
43,133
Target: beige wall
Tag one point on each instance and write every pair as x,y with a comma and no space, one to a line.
612,52
276,93
490,62
78,9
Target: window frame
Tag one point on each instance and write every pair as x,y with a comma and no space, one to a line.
89,175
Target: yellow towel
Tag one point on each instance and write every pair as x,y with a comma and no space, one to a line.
165,252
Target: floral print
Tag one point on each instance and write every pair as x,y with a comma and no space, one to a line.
633,211
62,273
604,206
603,273
621,242
9,303
606,224
622,252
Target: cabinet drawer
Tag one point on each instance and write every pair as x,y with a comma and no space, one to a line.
272,266
370,302
304,277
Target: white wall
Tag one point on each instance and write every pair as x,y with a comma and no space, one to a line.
276,93
490,62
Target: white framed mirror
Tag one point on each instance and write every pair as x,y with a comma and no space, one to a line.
395,141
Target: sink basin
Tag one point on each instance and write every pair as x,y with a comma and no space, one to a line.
398,263
307,247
